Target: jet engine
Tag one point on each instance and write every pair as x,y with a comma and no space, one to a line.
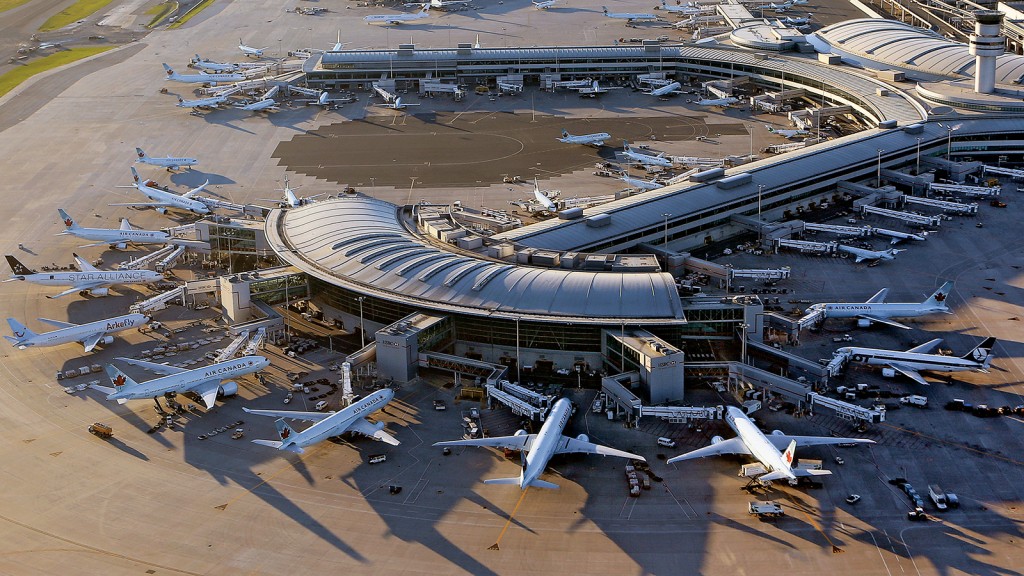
98,291
863,323
106,341
778,433
162,210
121,246
583,438
521,432
229,388
716,439
379,426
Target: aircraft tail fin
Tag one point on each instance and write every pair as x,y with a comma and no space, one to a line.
135,176
982,352
170,72
17,267
283,429
118,378
140,153
790,453
69,222
21,332
565,133
939,297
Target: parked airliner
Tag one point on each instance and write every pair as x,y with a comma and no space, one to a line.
910,362
204,382
88,335
876,309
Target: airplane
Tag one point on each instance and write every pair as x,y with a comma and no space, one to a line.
543,4
203,77
876,309
790,21
89,335
265,105
205,381
797,2
122,236
723,102
787,133
593,90
765,448
667,89
325,100
250,51
543,198
645,159
397,104
206,103
399,18
897,237
387,96
199,62
595,139
290,200
779,8
641,184
339,44
540,447
329,424
163,200
685,10
864,254
86,279
445,4
910,362
167,162
628,16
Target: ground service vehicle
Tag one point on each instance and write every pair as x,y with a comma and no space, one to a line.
102,430
938,497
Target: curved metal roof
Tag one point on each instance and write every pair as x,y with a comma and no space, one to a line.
360,243
887,43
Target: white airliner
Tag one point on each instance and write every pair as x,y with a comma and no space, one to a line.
89,335
876,309
910,362
641,184
265,105
645,159
204,382
594,89
787,133
166,162
543,198
628,16
205,103
723,102
122,236
790,21
897,237
202,77
444,4
199,62
544,4
667,89
329,424
766,449
595,139
399,18
863,254
289,199
162,200
540,447
250,51
685,10
86,279
396,105
779,8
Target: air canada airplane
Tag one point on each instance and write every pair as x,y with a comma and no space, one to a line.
205,103
767,449
787,133
629,16
88,335
397,104
202,77
122,236
163,200
864,254
86,279
910,362
204,382
543,198
544,4
328,424
645,159
265,105
595,139
876,309
199,62
723,102
250,51
667,90
540,447
399,18
640,183
290,200
165,162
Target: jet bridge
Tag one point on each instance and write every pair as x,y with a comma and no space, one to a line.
158,302
305,91
145,261
955,207
230,350
168,261
1012,172
760,274
746,376
518,407
525,394
858,231
683,414
904,216
804,246
255,342
973,191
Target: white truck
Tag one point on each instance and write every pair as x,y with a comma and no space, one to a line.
915,400
808,464
770,509
938,497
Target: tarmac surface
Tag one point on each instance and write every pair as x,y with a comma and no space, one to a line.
170,503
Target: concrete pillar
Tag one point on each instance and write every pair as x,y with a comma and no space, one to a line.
986,45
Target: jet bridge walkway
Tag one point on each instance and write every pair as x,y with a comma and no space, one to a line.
518,407
158,302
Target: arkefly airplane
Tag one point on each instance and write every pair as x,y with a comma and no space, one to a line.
863,254
205,382
543,198
910,362
787,133
629,16
199,62
540,447
290,200
250,51
723,102
667,89
328,424
122,236
89,335
544,4
203,78
645,159
877,310
162,200
399,18
766,449
204,103
265,105
87,279
595,139
167,162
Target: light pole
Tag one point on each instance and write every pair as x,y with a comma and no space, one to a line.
949,140
519,377
743,341
362,331
372,186
917,170
760,188
878,181
666,215
750,129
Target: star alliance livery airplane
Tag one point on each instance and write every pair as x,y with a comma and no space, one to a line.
87,279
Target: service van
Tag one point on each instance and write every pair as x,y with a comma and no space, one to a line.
666,442
321,405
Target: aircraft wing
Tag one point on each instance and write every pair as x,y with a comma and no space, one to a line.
78,288
292,414
363,426
926,348
153,366
145,204
57,323
83,264
859,259
91,341
782,441
879,297
522,442
909,373
881,320
731,446
569,444
208,390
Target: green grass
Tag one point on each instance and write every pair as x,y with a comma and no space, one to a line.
188,15
12,79
160,11
74,13
8,4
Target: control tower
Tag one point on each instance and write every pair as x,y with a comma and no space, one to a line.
986,46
